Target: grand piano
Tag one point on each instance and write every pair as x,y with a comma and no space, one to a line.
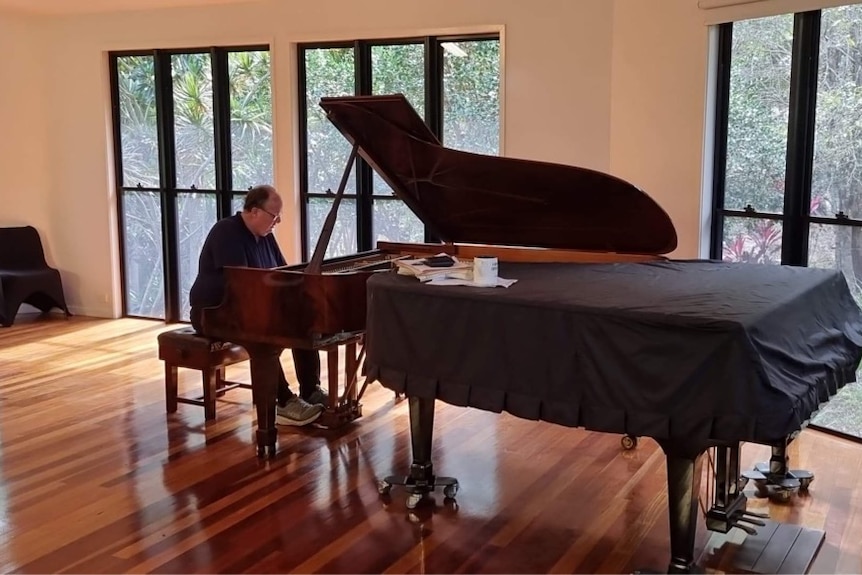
601,331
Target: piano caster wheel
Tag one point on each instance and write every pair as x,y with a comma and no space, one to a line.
413,500
262,451
450,491
805,482
384,487
781,495
629,442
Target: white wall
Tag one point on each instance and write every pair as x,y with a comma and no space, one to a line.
25,172
614,85
658,92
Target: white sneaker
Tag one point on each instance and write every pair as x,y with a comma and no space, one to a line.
297,412
317,397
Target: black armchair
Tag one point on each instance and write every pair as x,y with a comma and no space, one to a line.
25,276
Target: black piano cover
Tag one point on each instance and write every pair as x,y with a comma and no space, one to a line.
697,350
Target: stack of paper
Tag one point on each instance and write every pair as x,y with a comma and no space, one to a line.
459,273
418,269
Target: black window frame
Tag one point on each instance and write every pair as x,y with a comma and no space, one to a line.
363,81
167,189
799,159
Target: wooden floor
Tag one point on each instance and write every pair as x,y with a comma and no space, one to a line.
96,478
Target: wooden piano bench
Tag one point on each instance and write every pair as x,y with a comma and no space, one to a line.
185,348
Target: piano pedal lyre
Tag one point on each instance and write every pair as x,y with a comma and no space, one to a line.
343,407
727,502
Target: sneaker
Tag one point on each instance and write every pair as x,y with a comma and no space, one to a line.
297,412
317,397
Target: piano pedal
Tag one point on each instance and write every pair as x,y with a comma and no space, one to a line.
756,514
746,528
751,521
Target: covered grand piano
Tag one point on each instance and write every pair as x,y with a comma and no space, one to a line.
600,331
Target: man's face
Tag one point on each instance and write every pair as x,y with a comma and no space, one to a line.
266,217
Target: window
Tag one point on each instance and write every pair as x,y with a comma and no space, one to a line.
788,163
192,132
454,83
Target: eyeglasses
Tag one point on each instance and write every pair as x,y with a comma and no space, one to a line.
275,217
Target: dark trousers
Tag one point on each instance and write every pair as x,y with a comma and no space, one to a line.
306,362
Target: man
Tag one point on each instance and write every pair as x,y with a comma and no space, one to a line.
245,239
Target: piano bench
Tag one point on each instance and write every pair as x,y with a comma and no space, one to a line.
186,348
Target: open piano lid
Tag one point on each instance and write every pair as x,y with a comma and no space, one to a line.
472,198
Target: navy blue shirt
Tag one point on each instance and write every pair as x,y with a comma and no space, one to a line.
230,243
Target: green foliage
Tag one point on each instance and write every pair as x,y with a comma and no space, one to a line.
757,139
250,118
758,112
471,96
137,105
329,72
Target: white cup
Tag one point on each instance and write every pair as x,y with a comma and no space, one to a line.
485,271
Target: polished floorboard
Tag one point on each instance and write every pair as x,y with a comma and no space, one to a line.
95,477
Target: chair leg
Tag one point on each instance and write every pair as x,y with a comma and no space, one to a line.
220,383
209,379
170,388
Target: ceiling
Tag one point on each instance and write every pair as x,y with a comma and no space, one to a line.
66,7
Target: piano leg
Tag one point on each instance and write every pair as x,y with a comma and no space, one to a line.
265,366
683,489
421,480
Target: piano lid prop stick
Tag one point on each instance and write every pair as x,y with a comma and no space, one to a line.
316,263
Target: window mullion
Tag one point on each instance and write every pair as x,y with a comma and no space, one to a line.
722,114
221,127
364,173
168,175
433,98
800,137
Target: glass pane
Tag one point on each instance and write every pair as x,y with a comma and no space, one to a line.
837,172
343,241
400,69
250,118
196,214
395,222
142,253
844,411
328,72
471,96
838,247
752,240
193,121
137,110
758,112
236,203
